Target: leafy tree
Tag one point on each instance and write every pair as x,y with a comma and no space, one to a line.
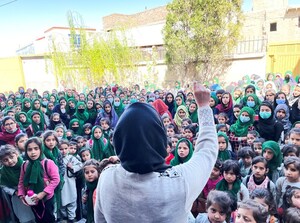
199,37
89,59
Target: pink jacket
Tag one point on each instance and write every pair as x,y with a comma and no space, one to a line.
51,179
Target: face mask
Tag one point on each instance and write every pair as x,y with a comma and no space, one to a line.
110,100
75,129
132,101
63,110
45,103
250,104
12,131
265,115
80,110
59,137
69,137
280,101
244,119
21,91
117,104
18,96
153,99
56,122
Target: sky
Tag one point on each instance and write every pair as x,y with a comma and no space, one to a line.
23,21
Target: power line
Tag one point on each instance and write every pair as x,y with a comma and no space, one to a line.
8,3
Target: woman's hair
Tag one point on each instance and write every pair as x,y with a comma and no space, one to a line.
87,126
292,160
287,197
35,140
253,132
295,131
292,215
223,114
222,199
50,133
219,126
79,138
264,193
19,136
245,152
7,118
260,214
218,164
35,113
105,120
238,106
286,149
188,120
231,165
259,140
192,128
259,159
172,126
63,142
92,162
7,150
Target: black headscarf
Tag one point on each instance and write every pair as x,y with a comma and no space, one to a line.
140,140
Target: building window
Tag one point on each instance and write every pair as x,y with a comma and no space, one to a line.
273,27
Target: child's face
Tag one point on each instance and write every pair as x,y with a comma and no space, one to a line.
21,143
55,118
36,118
250,139
59,132
97,133
104,125
215,173
223,129
80,143
296,199
288,155
236,112
174,142
280,114
183,150
268,154
90,174
215,214
295,139
181,113
262,202
212,102
184,124
192,108
33,151
170,132
244,216
225,99
72,149
229,176
247,161
169,149
10,160
222,143
64,149
188,133
87,131
291,173
22,118
297,125
166,121
257,149
50,142
85,155
221,120
259,170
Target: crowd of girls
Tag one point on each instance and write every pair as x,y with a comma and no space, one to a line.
57,143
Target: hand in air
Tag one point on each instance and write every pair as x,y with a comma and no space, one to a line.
202,94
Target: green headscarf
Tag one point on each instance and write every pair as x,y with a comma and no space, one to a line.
26,123
92,112
194,115
177,160
276,161
37,127
214,96
34,174
256,100
10,175
79,130
175,104
119,109
98,149
82,117
225,154
240,128
223,186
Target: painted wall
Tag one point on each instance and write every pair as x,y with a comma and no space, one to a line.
11,74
